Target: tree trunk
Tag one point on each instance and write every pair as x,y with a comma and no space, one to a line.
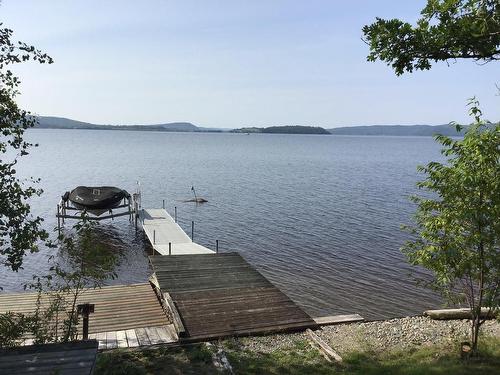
475,334
476,311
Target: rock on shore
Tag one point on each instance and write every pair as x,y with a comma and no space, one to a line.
378,335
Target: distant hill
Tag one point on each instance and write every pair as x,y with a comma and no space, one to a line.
47,122
284,130
396,130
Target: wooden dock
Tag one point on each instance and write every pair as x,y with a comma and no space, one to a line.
166,236
194,294
218,295
75,358
125,315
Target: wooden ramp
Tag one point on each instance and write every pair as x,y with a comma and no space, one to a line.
125,315
75,358
217,295
161,229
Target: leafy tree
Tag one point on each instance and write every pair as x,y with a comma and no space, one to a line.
457,229
84,264
447,29
13,326
88,265
458,225
19,230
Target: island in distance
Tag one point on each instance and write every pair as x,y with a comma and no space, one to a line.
291,129
49,122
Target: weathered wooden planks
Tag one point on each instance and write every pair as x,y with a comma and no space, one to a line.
117,308
132,338
64,359
219,295
337,319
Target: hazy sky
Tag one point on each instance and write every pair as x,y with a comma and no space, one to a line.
231,64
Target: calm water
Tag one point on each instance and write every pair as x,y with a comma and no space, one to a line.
318,215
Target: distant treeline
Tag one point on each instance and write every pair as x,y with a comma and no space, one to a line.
290,129
397,130
45,122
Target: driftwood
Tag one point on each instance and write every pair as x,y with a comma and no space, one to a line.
458,314
338,319
196,200
323,347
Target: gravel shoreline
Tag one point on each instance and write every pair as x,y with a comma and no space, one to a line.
401,333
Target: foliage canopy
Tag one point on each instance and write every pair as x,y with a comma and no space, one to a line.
457,225
447,29
19,231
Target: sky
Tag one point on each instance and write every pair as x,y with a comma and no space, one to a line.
231,64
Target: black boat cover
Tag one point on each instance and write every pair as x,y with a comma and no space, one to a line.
96,198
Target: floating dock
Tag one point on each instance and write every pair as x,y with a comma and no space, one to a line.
166,236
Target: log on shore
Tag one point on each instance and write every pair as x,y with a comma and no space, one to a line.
323,347
338,319
458,314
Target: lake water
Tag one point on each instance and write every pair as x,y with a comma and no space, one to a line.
319,216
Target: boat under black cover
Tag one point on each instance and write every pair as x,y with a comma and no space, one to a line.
96,198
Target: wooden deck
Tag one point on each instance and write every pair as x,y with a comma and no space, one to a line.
132,338
219,295
119,310
76,358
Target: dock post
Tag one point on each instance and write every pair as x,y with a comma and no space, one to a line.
58,220
170,248
164,204
175,213
192,230
85,310
154,236
217,246
136,212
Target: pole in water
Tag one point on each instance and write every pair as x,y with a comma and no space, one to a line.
194,192
170,248
175,214
154,237
164,204
192,230
217,246
58,221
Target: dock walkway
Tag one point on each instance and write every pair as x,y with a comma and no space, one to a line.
222,295
161,229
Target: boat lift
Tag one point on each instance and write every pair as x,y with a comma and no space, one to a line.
128,206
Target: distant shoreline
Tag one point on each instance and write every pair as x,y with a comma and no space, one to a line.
187,127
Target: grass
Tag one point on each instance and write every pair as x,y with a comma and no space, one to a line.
195,360
434,360
301,359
